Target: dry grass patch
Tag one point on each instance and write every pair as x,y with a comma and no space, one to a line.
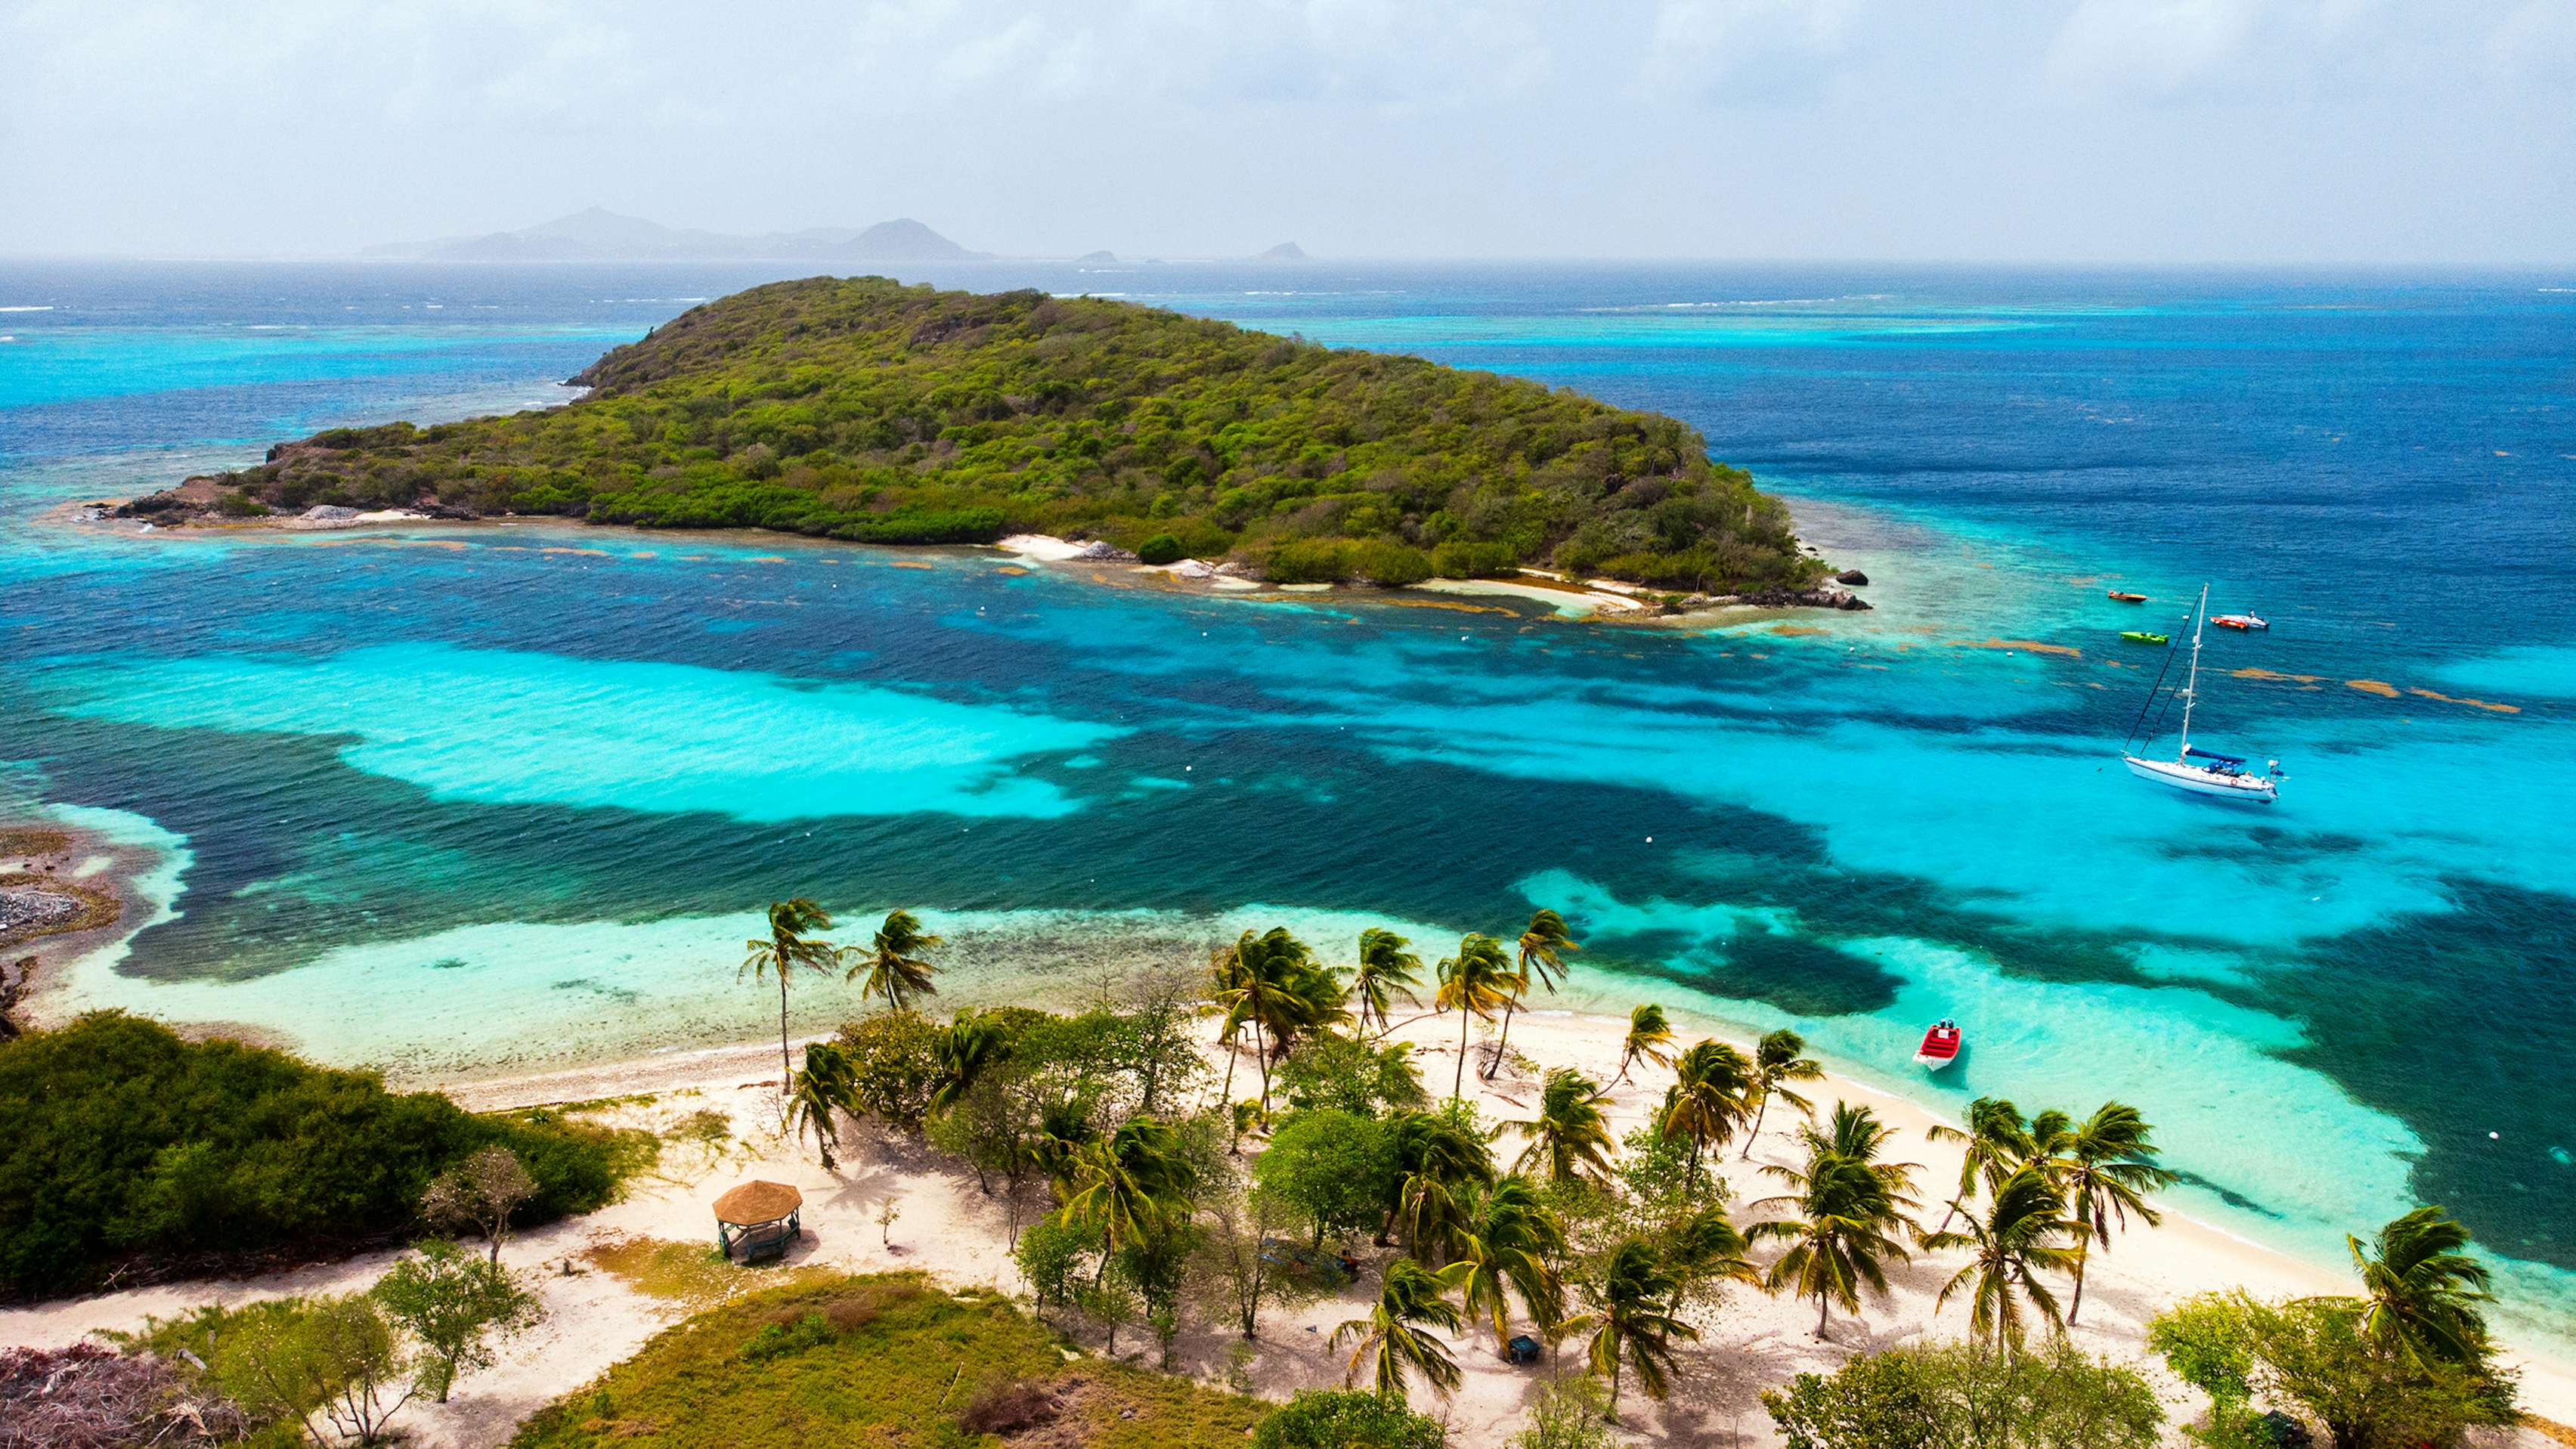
697,1275
884,1360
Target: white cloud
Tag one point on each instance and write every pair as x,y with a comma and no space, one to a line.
1760,127
2154,48
1748,49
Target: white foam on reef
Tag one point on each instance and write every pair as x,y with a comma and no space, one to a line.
26,309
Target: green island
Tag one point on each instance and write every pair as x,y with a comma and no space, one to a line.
873,412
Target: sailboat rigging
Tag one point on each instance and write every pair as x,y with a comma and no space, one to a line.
2197,771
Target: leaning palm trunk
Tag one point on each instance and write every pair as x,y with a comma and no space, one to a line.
2083,1255
1495,1064
1261,1051
786,1063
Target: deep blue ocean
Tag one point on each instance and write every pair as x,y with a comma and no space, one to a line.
452,798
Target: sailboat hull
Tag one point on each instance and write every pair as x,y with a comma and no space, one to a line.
2253,789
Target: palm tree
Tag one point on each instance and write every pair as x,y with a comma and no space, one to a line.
1570,1138
1778,1059
1542,952
1255,982
2421,1289
1230,1001
895,962
1438,1162
1706,1100
1472,983
826,1085
1650,1039
1997,1140
1635,1323
1506,1243
1126,1185
2013,1241
2106,1167
1064,1129
790,945
1854,1132
1706,1245
1839,1238
964,1049
1311,1001
1386,970
1392,1340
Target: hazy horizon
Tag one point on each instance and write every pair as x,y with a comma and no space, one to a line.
2187,133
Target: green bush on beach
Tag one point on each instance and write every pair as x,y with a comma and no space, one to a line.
872,412
129,1147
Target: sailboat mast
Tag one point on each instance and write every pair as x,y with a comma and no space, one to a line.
2191,684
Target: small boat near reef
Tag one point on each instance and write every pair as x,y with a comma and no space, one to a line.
1940,1045
2126,598
2141,636
2239,621
2197,771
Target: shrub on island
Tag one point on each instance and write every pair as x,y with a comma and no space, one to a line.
132,1152
1329,1419
1954,1394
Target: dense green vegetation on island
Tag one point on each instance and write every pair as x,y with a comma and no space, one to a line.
129,1151
869,411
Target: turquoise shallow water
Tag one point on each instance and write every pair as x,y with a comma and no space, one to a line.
478,797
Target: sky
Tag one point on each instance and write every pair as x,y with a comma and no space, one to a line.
2083,131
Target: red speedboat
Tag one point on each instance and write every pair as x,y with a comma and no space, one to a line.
2126,598
1940,1045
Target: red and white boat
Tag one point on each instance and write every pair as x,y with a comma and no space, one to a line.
2239,621
1940,1045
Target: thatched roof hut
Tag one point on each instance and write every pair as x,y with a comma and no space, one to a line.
756,1203
759,1220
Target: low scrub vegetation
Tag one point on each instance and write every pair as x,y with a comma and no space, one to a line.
132,1154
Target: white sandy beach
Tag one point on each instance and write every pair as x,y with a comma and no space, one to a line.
949,1229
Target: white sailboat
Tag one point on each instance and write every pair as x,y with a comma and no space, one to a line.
2206,772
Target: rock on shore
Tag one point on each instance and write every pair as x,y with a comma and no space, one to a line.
1842,599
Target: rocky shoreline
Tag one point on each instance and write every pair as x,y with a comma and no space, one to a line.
55,893
62,892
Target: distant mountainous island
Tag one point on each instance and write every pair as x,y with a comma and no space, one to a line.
600,235
879,413
597,235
